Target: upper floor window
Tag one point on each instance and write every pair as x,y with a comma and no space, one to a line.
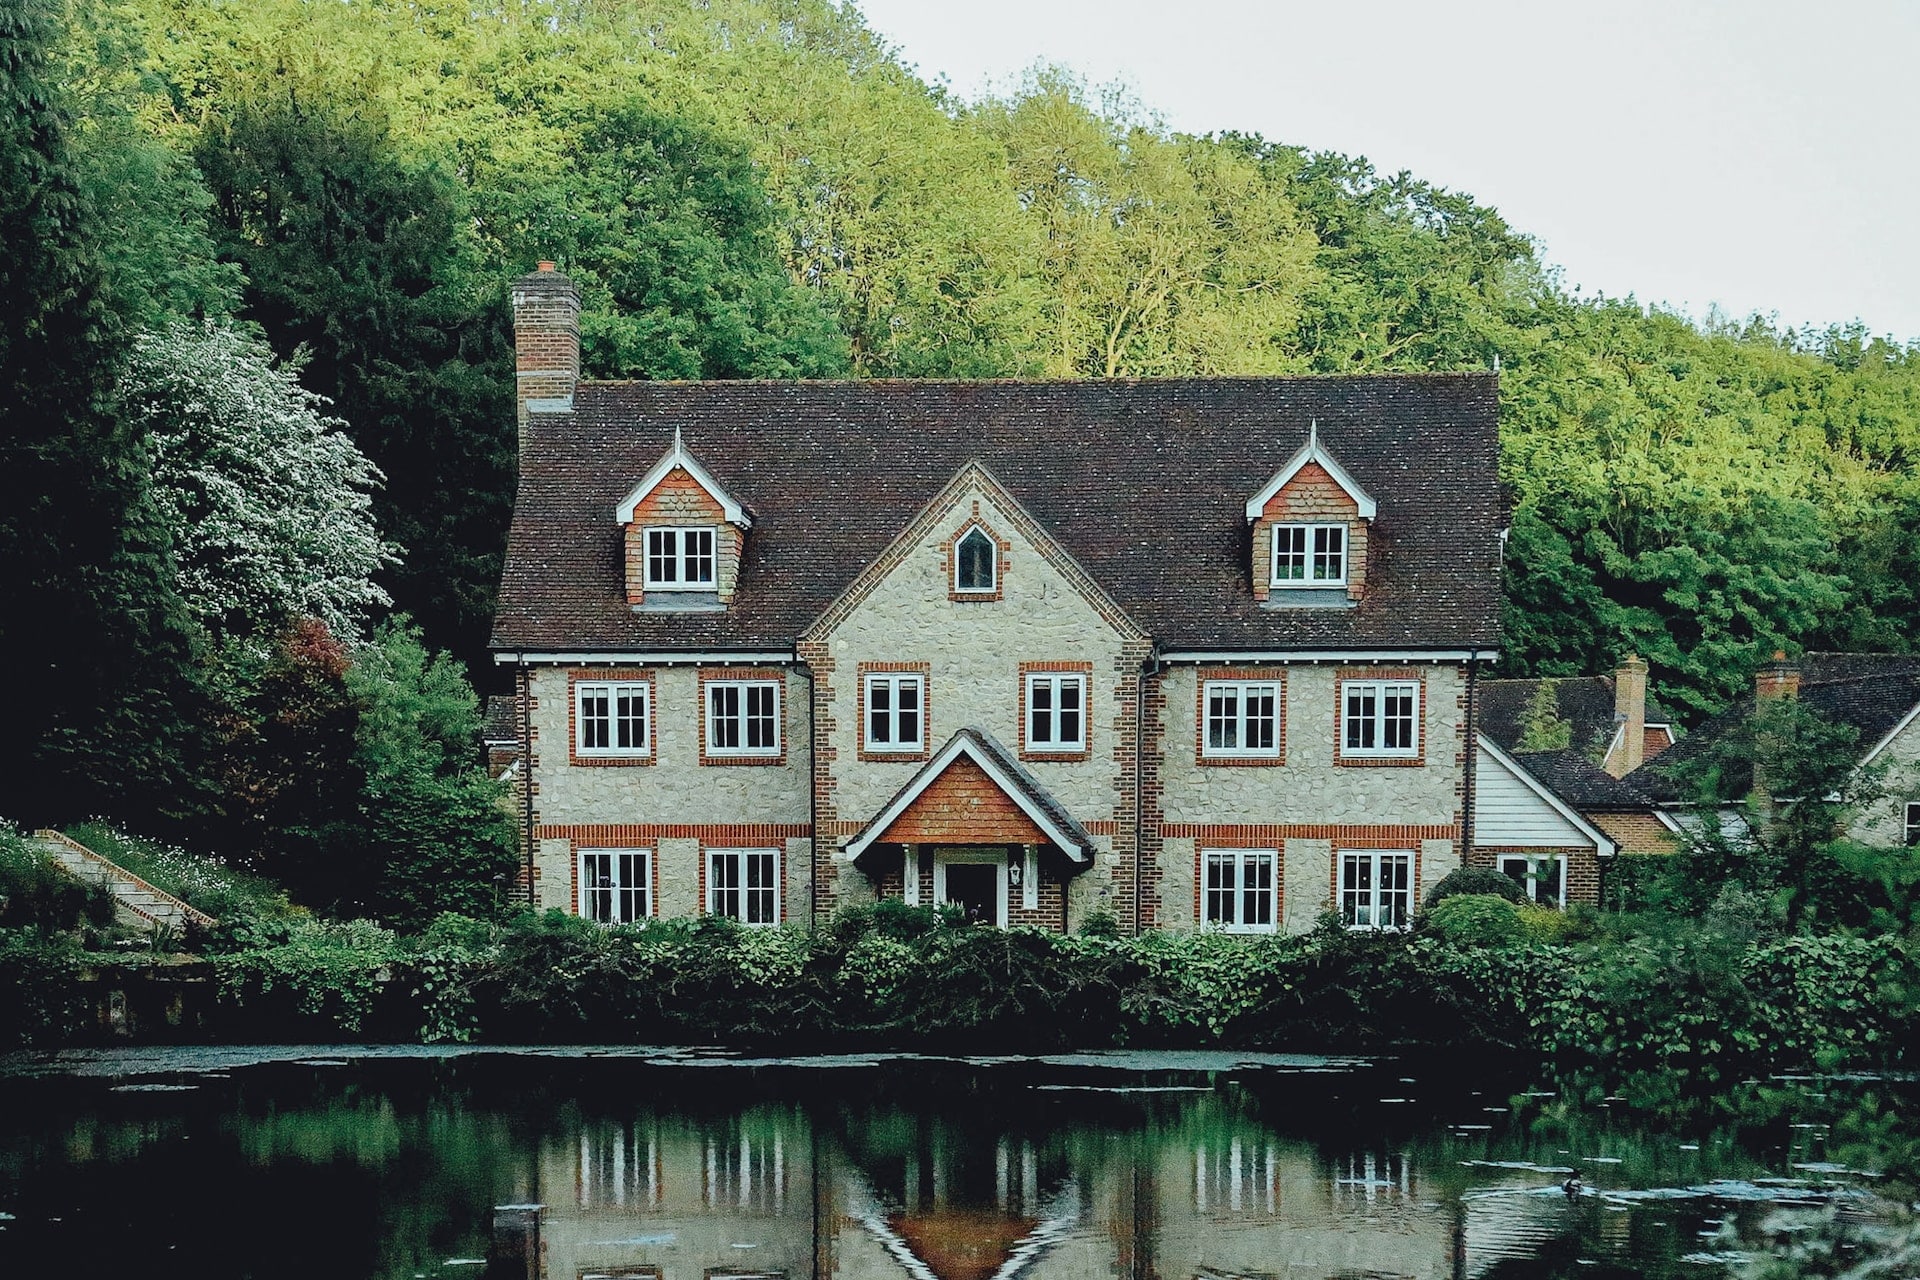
1913,822
611,719
1240,890
1056,711
1243,720
1376,890
895,719
1380,718
743,718
680,559
615,885
744,884
1309,555
975,558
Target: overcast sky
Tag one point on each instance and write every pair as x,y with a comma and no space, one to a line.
1755,154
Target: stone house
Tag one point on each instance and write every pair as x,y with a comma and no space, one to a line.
1187,653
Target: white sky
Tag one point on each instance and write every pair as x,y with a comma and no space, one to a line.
1755,154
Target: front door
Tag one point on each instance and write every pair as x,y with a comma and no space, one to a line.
974,887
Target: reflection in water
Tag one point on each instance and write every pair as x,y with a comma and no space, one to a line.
503,1168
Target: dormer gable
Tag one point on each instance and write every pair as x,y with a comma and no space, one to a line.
683,535
1311,526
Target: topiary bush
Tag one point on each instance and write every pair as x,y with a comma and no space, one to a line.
1477,920
1477,880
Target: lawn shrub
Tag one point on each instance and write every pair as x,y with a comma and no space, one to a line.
1476,920
1477,880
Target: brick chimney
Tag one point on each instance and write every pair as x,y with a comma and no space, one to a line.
546,342
1778,679
1630,713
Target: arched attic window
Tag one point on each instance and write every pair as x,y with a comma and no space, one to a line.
975,562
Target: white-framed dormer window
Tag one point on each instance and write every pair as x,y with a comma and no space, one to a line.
1309,555
612,718
1912,833
1240,893
744,885
1376,889
976,563
896,711
1242,720
1056,711
1541,876
680,559
1380,718
616,885
743,717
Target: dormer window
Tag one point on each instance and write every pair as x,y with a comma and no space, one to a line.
680,559
1309,555
973,562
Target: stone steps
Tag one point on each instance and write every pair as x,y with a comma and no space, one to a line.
134,900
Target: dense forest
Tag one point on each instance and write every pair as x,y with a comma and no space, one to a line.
256,454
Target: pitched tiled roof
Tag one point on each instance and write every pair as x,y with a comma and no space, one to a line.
1584,702
1872,692
1143,482
1583,784
501,724
986,749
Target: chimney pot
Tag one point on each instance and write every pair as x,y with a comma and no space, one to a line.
545,266
1778,679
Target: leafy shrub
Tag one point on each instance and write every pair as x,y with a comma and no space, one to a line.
324,970
1543,924
1476,920
36,894
1478,880
40,997
196,879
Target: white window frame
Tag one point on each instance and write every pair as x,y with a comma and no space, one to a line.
993,563
1355,900
995,858
1912,832
1237,893
765,897
1239,690
681,557
1318,554
893,681
619,861
1530,879
614,691
716,720
1377,720
1053,682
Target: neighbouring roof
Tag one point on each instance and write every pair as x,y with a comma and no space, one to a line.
1585,702
1873,692
1585,785
501,725
1143,482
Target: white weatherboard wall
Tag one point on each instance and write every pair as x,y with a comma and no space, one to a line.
1511,815
1884,822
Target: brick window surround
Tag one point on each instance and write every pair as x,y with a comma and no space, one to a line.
745,675
1085,671
1003,561
613,675
921,669
1364,675
1240,675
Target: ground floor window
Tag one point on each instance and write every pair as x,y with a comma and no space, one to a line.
1240,895
1541,876
615,885
744,884
1376,890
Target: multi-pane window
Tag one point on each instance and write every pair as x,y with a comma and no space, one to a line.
1309,555
1913,822
973,562
1239,894
1376,890
1538,875
614,885
743,718
1056,712
680,559
610,719
1380,718
896,704
744,884
1243,719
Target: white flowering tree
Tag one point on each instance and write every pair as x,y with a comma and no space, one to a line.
269,504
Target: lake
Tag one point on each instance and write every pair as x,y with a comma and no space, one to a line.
676,1165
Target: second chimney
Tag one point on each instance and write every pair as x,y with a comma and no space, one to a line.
1630,712
546,342
1778,679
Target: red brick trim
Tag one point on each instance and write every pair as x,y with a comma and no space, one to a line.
737,675
861,671
1002,561
613,675
1340,758
635,835
1275,676
1085,671
1262,835
574,846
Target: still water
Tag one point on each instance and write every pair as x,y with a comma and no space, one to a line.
668,1166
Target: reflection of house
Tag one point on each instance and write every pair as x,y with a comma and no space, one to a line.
1189,652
